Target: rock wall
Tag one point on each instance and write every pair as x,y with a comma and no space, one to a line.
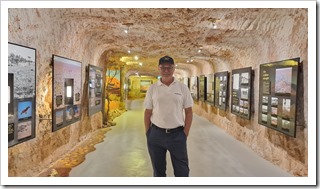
48,34
288,40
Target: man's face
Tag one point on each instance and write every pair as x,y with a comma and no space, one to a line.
166,69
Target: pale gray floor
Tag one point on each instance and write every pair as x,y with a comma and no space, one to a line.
212,152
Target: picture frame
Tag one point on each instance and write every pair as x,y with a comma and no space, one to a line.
221,82
202,88
279,81
66,91
210,88
241,91
21,93
95,85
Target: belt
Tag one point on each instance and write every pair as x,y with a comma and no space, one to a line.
168,130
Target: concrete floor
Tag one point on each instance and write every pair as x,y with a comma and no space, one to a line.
212,152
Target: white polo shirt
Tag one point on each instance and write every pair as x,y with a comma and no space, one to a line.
168,103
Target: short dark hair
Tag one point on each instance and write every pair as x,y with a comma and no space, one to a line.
166,59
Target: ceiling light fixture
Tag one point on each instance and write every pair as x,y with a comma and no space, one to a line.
128,27
214,22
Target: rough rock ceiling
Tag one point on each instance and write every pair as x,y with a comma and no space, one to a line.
180,33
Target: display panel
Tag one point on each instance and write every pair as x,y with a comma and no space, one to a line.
202,88
95,91
67,90
210,88
194,87
21,93
221,81
113,82
241,92
278,95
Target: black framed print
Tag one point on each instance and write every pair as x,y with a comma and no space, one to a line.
278,95
21,93
241,92
221,81
67,91
95,90
210,88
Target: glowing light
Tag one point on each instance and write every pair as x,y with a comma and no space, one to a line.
69,91
136,57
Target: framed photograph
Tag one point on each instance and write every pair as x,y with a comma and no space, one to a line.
286,125
264,109
245,77
274,111
279,82
274,121
274,101
265,99
76,111
221,84
244,93
113,82
264,118
241,91
286,108
283,78
59,117
25,110
245,111
21,92
210,88
66,83
95,91
24,130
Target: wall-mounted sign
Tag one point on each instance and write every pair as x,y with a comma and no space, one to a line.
278,95
241,92
21,93
66,90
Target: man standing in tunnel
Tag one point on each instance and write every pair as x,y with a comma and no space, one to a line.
167,118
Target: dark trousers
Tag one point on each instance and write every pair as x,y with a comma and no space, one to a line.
159,142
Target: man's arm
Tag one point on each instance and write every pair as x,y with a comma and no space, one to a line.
147,119
188,120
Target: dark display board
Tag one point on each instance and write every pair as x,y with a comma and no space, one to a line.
278,94
67,92
202,88
21,93
194,87
241,92
210,88
221,81
95,89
